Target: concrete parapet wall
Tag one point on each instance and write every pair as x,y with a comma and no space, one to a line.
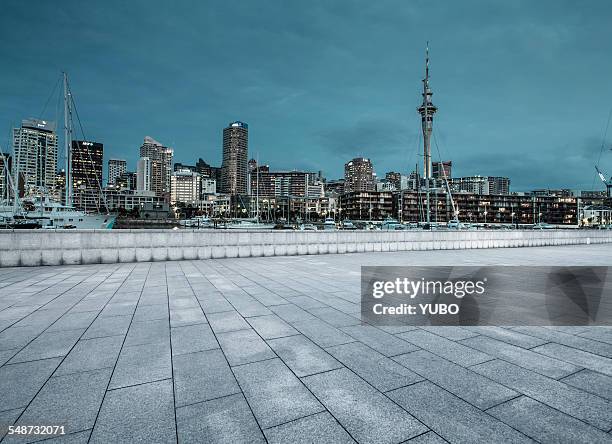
62,247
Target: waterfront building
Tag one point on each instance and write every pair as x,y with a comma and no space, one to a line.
186,187
488,209
366,205
234,174
5,173
143,174
126,181
87,159
116,167
498,185
160,158
35,154
359,175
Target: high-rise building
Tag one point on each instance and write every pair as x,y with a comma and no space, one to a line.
35,154
234,174
359,175
143,174
160,166
395,179
127,181
5,173
186,187
499,185
442,170
116,167
87,164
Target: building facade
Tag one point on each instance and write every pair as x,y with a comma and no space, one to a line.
186,187
35,154
366,205
487,209
143,174
359,175
498,185
442,170
161,166
5,174
126,181
267,184
87,158
116,168
234,172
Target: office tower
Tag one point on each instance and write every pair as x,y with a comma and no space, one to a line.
186,186
235,152
499,185
116,167
143,174
442,170
160,158
359,175
87,159
35,154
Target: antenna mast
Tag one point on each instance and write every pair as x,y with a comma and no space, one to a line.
67,141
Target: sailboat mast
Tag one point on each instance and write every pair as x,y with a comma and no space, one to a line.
67,143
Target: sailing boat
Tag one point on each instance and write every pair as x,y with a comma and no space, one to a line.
43,211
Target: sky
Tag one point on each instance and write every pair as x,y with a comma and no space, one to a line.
523,88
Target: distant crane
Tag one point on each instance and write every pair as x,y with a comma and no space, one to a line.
607,183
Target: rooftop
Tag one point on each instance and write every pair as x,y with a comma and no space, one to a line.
256,349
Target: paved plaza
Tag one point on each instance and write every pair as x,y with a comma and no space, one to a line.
272,349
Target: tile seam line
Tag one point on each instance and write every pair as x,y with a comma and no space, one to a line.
62,360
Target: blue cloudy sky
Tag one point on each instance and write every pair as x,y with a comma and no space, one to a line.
524,88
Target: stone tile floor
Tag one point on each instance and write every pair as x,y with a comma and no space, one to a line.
272,349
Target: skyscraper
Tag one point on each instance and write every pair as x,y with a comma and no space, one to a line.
143,174
116,167
359,175
87,160
234,173
5,172
35,154
160,167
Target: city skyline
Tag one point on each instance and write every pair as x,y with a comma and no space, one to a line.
527,123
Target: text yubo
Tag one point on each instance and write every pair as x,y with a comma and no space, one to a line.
410,309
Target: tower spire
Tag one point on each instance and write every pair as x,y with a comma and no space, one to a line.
427,111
